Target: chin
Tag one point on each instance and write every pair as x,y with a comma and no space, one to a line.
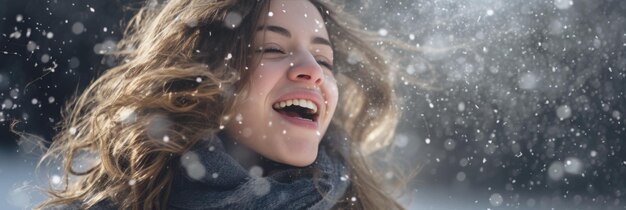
300,160
294,150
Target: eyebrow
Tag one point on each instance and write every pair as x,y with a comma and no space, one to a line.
284,32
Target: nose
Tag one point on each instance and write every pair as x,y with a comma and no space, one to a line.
305,68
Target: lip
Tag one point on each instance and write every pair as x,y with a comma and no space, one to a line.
314,97
300,122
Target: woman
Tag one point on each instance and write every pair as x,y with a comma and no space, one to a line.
230,104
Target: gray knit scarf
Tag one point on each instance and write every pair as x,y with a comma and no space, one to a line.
212,177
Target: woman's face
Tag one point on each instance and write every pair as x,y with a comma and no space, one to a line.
292,92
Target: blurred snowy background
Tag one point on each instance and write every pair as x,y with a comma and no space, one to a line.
508,104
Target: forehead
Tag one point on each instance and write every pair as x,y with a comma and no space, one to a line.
300,17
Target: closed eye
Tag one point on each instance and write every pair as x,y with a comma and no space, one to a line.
270,50
325,64
323,61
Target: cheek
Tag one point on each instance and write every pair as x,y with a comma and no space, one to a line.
268,73
262,80
332,95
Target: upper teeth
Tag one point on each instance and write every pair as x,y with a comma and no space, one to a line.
297,102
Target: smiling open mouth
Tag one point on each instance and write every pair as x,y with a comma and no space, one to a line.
298,108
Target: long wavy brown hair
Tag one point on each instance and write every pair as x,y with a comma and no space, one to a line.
183,65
